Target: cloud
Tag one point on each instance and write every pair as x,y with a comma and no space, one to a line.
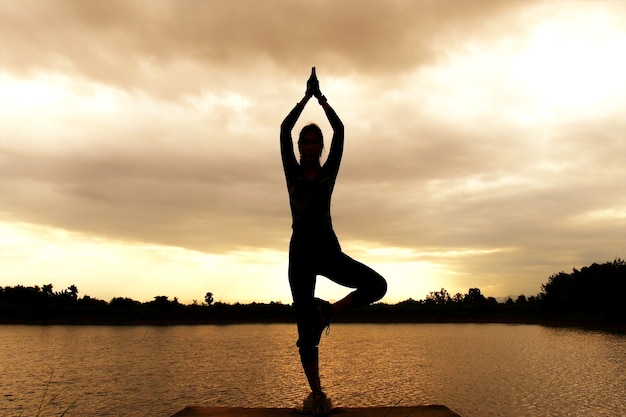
171,48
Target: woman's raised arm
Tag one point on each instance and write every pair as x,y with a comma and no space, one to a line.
336,146
286,142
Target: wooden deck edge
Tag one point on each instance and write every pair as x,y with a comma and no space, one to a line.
414,411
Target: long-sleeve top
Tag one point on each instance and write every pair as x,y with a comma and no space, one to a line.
310,198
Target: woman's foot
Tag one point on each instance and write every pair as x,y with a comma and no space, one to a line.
318,404
323,316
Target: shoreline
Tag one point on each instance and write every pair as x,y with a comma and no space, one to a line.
582,325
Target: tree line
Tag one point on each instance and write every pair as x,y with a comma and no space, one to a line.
593,294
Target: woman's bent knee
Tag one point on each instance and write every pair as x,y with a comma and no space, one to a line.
375,289
378,289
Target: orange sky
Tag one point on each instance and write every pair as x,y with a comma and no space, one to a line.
139,154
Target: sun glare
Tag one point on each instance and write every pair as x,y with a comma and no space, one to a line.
32,93
573,66
564,67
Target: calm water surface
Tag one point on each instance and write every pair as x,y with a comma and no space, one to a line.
475,370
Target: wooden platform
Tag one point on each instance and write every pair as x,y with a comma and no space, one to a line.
416,411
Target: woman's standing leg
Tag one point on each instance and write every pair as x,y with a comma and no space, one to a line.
302,284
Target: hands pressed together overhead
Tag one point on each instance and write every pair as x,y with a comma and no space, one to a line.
313,87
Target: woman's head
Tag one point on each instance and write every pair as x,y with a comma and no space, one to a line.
311,143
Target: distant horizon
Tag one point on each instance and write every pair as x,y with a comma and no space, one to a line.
200,300
385,300
576,298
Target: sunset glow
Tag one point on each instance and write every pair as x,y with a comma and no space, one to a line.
139,145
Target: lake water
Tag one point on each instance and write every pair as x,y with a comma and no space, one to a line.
476,370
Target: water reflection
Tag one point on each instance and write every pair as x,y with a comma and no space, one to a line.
476,370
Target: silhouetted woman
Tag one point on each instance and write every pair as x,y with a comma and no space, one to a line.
314,248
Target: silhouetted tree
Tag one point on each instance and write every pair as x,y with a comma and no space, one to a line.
596,290
474,296
47,290
438,297
90,302
208,298
124,303
73,292
67,296
162,302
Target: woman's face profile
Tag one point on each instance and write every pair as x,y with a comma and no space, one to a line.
310,147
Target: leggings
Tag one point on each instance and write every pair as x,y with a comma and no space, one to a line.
319,253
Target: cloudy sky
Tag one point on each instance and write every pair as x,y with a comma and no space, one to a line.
485,142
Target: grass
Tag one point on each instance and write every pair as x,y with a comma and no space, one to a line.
43,398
